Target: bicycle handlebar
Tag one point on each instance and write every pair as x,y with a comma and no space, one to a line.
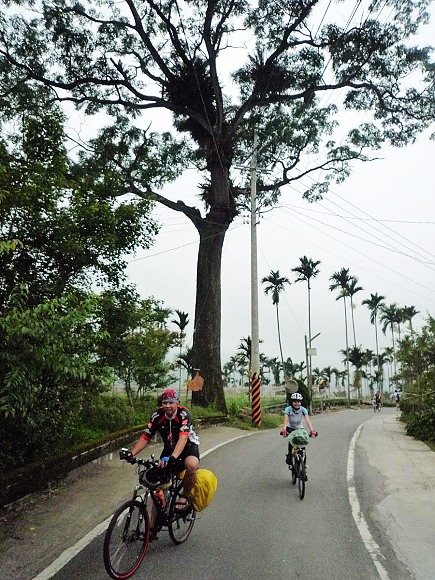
310,434
125,455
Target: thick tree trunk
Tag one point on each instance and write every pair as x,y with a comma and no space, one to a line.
207,333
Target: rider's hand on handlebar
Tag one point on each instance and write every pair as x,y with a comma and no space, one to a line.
127,455
167,461
314,433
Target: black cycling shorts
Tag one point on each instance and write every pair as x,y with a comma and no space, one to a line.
189,450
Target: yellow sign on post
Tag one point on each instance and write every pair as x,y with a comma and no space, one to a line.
255,400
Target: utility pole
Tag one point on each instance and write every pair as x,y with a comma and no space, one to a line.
308,354
255,338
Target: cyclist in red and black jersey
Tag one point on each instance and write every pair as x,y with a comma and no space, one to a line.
180,442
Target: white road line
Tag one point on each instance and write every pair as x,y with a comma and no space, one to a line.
70,553
369,542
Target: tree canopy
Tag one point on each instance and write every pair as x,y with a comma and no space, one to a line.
220,69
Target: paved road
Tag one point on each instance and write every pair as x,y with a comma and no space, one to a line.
249,530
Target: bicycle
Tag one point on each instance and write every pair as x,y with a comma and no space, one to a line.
129,533
376,406
298,466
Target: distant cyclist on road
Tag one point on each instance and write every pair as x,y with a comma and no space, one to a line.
294,416
377,401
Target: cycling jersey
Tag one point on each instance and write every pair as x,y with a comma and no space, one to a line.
170,429
295,418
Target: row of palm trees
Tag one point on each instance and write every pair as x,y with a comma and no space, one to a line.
389,316
236,369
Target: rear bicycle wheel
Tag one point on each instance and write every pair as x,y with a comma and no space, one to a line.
126,539
181,520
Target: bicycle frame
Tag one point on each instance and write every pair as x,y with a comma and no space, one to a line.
130,530
299,469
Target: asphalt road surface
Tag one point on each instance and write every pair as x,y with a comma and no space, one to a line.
258,528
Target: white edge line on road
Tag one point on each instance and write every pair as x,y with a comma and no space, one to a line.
369,542
70,553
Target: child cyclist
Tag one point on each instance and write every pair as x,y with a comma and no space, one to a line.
294,416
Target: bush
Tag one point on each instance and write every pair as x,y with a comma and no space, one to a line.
421,425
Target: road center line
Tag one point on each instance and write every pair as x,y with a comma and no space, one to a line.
369,542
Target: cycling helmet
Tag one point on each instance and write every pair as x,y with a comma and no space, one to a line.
155,477
296,397
170,396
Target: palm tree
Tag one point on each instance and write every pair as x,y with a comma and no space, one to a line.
389,318
341,280
227,372
339,377
408,314
244,349
369,358
275,285
356,357
275,367
374,304
352,289
306,270
181,322
185,361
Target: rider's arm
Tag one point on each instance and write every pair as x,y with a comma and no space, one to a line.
308,422
181,444
285,422
139,446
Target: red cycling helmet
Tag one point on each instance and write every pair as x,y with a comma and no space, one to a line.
170,396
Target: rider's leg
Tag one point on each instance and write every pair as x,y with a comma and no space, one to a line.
191,463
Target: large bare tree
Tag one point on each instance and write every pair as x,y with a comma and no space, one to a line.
132,57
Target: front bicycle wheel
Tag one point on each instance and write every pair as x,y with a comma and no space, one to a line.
181,517
301,478
294,469
126,539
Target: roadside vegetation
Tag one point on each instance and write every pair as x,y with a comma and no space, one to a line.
416,355
70,324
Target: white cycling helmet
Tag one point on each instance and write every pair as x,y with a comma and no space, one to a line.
296,397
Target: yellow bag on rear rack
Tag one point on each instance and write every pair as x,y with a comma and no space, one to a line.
204,489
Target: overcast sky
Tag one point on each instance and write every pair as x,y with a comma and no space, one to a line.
380,224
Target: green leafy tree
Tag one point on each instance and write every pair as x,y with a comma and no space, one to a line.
357,359
408,313
48,372
352,289
340,280
68,230
389,318
275,284
416,354
374,304
275,367
181,322
140,57
137,340
307,269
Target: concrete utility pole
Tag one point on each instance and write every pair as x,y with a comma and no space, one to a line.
309,352
255,333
